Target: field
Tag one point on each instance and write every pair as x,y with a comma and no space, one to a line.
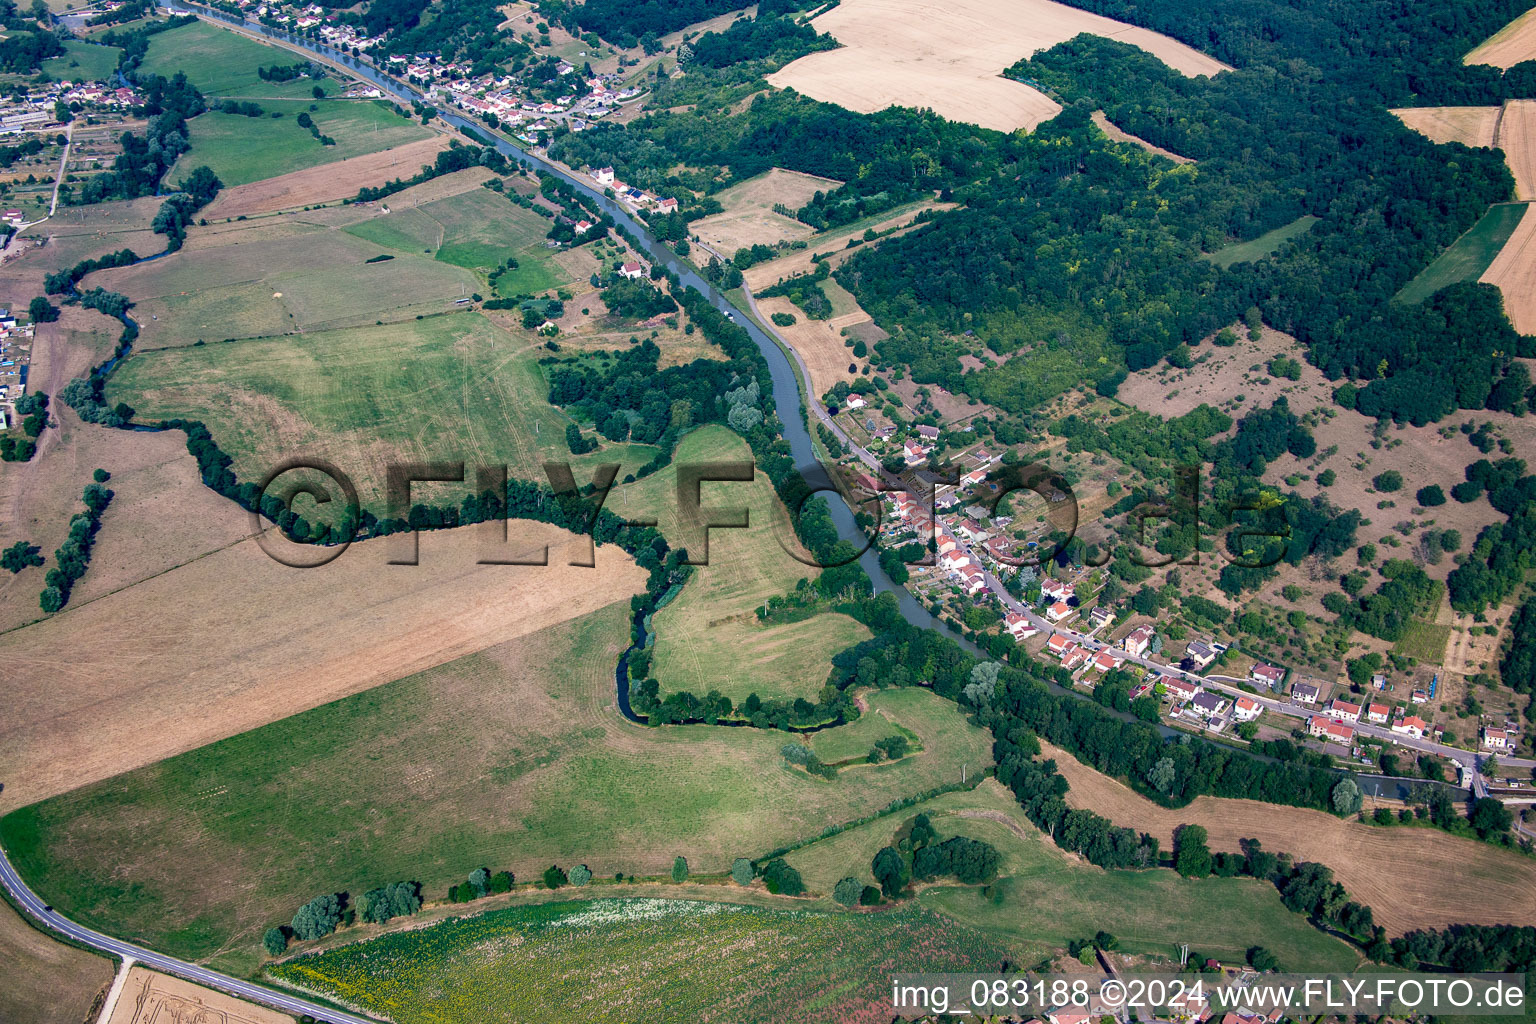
223,63
1265,245
820,343
446,388
1469,257
151,998
42,981
1224,375
1470,126
1517,137
708,637
887,713
478,230
1115,132
1512,44
82,62
1513,270
1402,873
1056,897
280,276
950,57
749,218
243,149
512,757
704,962
327,182
835,244
185,658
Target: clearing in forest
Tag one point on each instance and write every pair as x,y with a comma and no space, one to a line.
749,217
950,57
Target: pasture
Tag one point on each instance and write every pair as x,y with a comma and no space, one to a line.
914,53
477,229
1055,897
1513,270
223,63
82,62
513,756
1510,45
446,388
887,713
276,277
703,961
1470,256
749,217
1265,245
1493,886
708,637
243,149
43,981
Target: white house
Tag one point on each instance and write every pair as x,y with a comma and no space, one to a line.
633,270
1019,627
603,175
1412,725
1182,689
1342,710
855,402
1496,739
1058,611
1328,729
1246,709
1377,713
1138,642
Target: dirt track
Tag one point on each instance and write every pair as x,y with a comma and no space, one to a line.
1411,877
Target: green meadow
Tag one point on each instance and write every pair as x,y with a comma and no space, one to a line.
1469,256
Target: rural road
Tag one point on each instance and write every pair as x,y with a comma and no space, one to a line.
32,906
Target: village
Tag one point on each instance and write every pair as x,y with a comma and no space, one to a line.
980,557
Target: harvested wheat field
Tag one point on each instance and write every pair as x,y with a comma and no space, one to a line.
1470,126
1517,137
818,342
834,244
234,640
1514,272
43,981
1115,132
749,219
326,183
152,998
950,57
1508,46
1404,874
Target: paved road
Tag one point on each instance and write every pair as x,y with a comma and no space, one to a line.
53,921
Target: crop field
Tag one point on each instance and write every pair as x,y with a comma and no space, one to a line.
1513,270
244,149
513,757
327,182
223,63
1512,44
148,997
708,637
447,388
1055,897
703,961
1470,256
43,981
1266,244
749,217
950,57
1493,886
277,277
820,343
1517,137
82,62
1470,126
478,229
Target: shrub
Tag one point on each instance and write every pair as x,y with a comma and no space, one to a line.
680,870
1389,481
848,891
580,875
1430,496
317,918
782,879
741,871
554,878
275,941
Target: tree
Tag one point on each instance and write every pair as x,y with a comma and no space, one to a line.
741,871
42,311
275,941
848,891
782,879
480,878
1191,856
1346,797
20,555
1430,496
1490,817
317,918
580,875
890,871
554,878
1261,959
51,599
680,869
1162,775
